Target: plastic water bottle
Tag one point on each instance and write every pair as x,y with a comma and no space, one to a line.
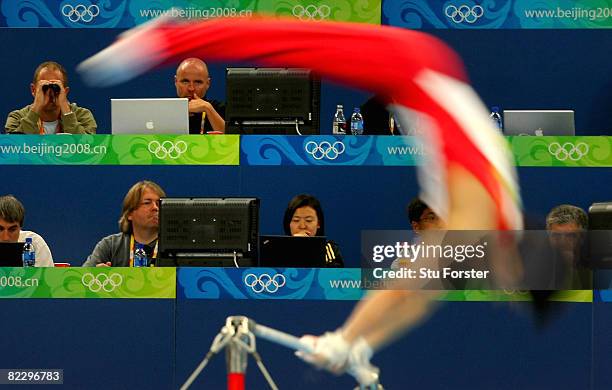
140,256
496,117
29,255
339,122
356,122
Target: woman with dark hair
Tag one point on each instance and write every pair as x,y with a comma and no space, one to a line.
304,217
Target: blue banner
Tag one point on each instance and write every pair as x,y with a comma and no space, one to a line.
269,283
337,284
331,150
497,14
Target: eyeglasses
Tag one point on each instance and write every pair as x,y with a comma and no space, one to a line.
149,203
430,217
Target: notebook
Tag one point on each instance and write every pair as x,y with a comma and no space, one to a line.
539,122
289,251
150,116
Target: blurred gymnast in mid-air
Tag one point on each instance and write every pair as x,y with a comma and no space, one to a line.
470,181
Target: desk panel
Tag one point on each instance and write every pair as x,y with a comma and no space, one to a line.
463,346
156,343
99,343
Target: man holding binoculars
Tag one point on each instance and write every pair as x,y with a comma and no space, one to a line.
51,112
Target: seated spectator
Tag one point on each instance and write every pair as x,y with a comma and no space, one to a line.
566,225
12,214
422,217
304,217
567,218
51,112
139,223
376,119
192,81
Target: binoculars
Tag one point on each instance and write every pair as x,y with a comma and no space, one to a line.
54,87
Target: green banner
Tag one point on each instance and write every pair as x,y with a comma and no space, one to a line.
364,11
120,149
514,296
88,283
129,13
562,151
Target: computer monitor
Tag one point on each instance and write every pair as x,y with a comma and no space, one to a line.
600,244
272,101
150,116
208,232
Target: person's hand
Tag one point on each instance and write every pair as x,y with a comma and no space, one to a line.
359,363
107,264
303,233
333,353
62,97
41,99
330,351
197,105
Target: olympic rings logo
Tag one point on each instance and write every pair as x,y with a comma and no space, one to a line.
265,282
512,291
311,12
80,13
167,149
568,150
99,282
324,149
464,13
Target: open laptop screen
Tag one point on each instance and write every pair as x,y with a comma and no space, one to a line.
539,122
291,251
10,254
150,116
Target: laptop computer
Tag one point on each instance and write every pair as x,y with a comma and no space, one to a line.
294,252
539,122
10,254
150,116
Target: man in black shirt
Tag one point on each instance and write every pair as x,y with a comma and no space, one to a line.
139,224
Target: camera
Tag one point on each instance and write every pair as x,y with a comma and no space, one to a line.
54,87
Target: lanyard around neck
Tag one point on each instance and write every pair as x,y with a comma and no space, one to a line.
203,123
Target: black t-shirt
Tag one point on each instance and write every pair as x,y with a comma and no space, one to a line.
195,119
149,249
333,257
376,118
